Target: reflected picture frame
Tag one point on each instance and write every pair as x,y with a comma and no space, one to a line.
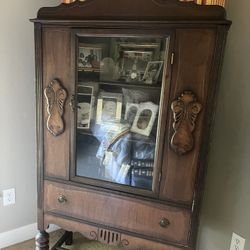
145,107
129,113
84,106
89,57
109,108
152,72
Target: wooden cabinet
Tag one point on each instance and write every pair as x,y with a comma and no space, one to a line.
126,94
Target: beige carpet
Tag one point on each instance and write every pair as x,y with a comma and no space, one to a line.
80,243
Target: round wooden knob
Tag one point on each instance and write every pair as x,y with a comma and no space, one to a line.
164,222
62,199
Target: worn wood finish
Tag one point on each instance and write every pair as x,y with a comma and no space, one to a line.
141,217
55,96
191,71
39,122
128,241
57,65
185,111
208,129
197,40
144,197
133,10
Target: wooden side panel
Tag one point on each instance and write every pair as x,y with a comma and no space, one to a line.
91,232
191,72
126,214
57,65
39,123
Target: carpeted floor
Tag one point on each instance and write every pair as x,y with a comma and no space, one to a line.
80,243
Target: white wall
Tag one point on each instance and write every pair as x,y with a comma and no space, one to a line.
226,206
17,109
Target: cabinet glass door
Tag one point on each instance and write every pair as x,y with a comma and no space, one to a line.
118,94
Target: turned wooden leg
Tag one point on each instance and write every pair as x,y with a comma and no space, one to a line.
42,241
69,240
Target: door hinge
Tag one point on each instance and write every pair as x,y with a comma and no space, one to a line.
72,103
172,58
160,175
193,204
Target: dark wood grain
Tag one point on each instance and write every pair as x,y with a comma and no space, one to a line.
57,65
215,75
55,96
124,213
39,122
185,111
191,71
198,35
133,10
130,194
91,232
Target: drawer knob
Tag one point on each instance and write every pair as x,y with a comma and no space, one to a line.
164,222
62,199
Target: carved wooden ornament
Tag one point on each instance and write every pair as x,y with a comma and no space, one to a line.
108,237
185,110
55,96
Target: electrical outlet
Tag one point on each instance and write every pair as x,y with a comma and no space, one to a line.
237,243
9,197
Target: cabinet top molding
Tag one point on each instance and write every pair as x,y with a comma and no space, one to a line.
132,10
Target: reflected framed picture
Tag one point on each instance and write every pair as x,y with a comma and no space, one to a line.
109,108
131,111
89,57
152,72
133,64
84,113
132,58
145,118
84,106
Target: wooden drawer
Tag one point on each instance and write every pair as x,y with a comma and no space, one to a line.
123,213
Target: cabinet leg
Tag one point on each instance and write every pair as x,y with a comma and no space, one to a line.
42,241
69,240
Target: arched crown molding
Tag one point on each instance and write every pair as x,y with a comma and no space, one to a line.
134,10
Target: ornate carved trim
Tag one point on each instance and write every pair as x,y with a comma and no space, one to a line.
55,96
153,10
93,235
185,111
124,243
109,237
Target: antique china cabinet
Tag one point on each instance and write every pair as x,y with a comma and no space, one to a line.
125,104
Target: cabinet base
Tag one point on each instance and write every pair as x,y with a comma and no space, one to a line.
91,232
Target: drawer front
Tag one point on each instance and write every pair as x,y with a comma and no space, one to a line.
84,229
142,217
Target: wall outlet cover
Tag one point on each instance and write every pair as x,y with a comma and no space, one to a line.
237,243
9,197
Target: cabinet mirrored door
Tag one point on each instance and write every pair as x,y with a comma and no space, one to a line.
118,100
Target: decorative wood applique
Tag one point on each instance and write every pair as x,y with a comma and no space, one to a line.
185,110
152,10
108,237
55,96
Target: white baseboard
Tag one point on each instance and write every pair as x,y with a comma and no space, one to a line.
21,234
